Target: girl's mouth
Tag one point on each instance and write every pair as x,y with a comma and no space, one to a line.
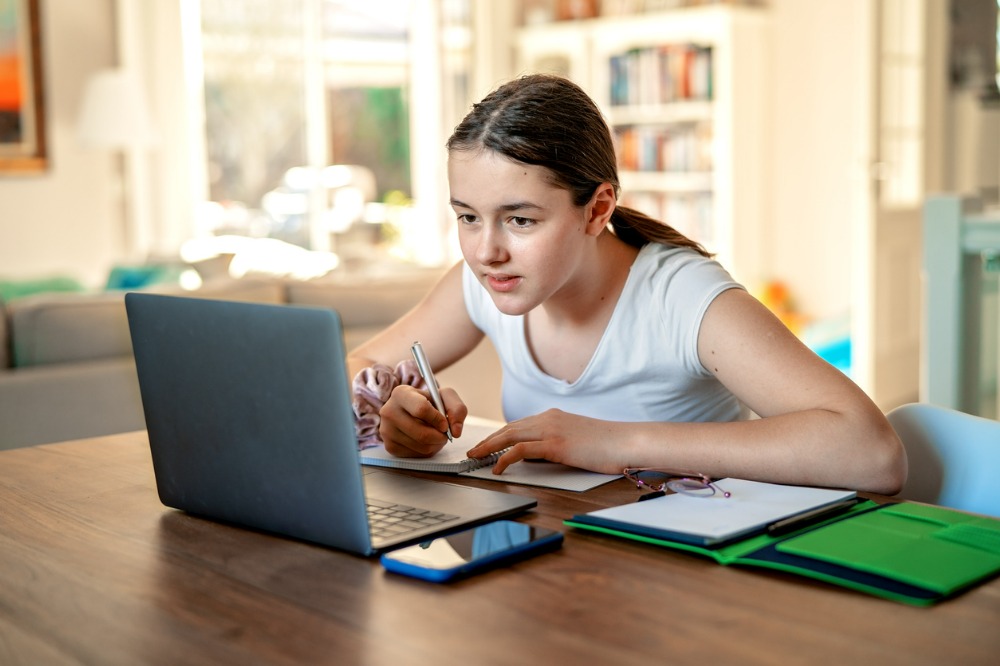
502,283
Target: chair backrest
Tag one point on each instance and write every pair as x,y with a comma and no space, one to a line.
954,457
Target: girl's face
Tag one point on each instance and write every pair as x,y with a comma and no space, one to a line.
520,234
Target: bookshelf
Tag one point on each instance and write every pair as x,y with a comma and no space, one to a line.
683,92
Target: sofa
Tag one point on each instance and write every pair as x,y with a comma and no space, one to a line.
67,371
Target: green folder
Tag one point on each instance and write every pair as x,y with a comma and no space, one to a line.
911,553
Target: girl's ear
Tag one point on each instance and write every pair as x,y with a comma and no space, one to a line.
599,208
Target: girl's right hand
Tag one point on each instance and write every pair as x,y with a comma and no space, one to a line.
412,427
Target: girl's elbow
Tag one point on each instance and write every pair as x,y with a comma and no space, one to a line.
890,462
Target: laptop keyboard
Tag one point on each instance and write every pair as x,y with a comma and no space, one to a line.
389,520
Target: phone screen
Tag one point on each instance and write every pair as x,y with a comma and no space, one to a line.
480,544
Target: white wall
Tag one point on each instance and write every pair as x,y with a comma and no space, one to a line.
67,220
816,54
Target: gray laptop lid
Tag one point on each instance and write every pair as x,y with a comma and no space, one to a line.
248,411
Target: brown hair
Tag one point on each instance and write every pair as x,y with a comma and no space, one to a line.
551,122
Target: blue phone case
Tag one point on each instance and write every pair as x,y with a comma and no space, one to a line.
544,543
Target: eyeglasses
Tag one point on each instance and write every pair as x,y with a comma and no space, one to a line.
659,481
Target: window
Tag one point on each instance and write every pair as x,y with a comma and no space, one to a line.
310,110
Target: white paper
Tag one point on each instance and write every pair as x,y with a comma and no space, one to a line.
450,458
753,505
545,474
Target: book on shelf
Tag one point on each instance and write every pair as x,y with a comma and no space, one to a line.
680,147
662,74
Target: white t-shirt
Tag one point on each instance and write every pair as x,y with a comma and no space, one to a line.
646,366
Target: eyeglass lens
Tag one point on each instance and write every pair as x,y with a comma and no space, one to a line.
690,487
655,480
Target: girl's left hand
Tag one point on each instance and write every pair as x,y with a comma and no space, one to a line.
555,435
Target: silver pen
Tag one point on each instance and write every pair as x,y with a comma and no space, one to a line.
425,371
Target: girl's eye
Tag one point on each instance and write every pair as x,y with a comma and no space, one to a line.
521,222
466,218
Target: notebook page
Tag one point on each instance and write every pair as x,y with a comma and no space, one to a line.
753,505
545,474
451,458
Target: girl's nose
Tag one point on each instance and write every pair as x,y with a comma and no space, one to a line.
490,249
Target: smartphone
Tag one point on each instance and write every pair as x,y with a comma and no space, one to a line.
473,550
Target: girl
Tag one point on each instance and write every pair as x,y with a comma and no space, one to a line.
623,343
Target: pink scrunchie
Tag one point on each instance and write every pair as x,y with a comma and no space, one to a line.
372,388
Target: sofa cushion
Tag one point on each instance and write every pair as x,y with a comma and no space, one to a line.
59,328
58,402
11,290
227,289
372,304
4,338
14,289
68,328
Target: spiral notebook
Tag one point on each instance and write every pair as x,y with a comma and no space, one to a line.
452,460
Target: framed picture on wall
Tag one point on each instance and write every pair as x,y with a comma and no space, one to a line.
22,101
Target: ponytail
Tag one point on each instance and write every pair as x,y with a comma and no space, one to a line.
638,229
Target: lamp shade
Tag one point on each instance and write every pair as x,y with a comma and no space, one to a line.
114,112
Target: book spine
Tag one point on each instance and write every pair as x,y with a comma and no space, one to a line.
663,74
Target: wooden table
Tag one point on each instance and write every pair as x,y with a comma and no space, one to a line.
93,569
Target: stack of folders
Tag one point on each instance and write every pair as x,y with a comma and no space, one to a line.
908,552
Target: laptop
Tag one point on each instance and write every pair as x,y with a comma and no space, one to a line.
248,410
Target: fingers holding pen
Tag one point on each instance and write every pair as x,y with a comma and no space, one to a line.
411,426
433,388
456,411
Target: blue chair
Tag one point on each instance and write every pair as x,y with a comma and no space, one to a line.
954,457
